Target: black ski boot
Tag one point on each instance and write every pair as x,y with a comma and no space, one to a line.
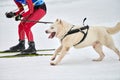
31,49
19,47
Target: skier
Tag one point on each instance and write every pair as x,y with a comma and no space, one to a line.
37,9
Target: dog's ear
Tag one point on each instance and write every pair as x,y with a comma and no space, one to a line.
59,21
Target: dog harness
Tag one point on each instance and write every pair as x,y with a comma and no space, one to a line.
76,31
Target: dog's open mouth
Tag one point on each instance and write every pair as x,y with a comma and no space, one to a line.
52,35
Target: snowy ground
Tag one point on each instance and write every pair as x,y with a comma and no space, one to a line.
77,65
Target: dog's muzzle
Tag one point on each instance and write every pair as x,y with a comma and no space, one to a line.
52,34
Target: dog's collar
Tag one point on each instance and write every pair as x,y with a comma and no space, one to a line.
77,30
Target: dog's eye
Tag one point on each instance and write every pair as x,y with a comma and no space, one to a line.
52,27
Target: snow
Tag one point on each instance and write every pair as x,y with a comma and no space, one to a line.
77,64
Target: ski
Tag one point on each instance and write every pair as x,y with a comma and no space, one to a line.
24,55
40,50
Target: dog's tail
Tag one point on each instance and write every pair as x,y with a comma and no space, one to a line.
114,30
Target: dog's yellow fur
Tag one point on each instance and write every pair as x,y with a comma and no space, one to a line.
97,37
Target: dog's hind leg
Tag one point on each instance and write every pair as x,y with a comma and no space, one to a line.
55,53
98,48
62,54
112,46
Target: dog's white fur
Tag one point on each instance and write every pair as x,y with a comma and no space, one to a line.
97,37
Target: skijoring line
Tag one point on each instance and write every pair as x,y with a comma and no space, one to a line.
44,22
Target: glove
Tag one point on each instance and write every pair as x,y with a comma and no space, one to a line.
18,17
10,14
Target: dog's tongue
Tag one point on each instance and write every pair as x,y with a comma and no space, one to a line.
52,35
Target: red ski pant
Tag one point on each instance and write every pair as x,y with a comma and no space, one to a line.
24,28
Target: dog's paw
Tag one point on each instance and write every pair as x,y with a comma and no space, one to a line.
53,58
52,63
97,60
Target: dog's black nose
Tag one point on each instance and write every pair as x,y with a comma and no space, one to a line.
46,31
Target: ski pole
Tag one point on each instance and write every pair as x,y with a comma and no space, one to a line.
45,22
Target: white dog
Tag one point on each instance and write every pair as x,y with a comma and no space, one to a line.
79,37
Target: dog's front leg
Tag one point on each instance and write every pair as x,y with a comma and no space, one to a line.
62,54
56,52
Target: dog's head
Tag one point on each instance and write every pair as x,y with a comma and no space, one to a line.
55,29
